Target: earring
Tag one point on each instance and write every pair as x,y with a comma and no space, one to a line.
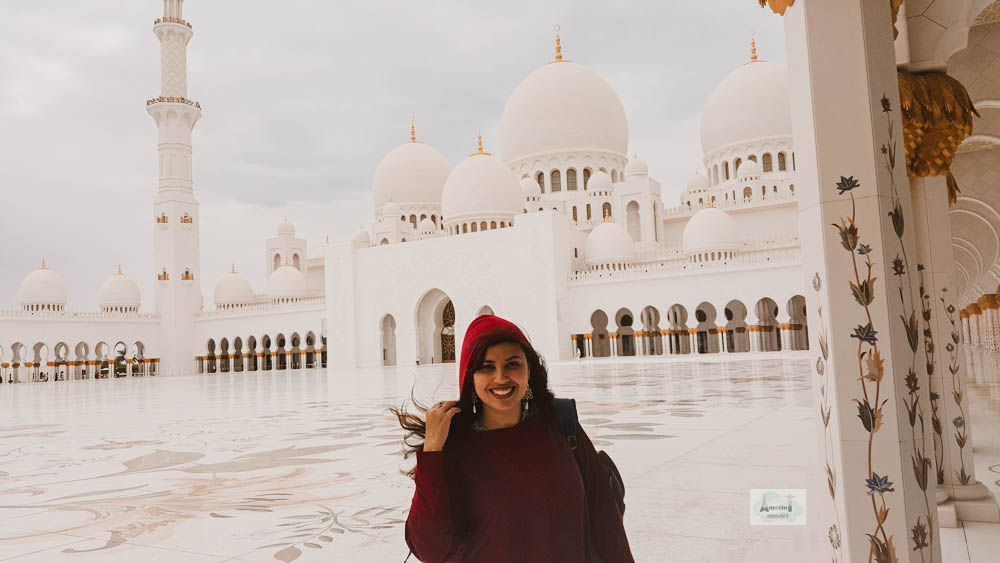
529,395
475,401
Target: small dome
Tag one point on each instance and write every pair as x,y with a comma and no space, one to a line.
749,104
636,167
286,229
233,289
562,107
119,292
391,210
427,226
599,182
287,282
711,229
530,187
609,243
362,237
749,169
481,186
698,182
411,173
43,287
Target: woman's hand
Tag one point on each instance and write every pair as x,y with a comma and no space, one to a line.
438,423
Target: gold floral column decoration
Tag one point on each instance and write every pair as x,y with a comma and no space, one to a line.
777,6
937,117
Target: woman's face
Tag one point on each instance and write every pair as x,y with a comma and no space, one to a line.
502,380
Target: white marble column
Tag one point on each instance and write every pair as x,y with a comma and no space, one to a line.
945,361
974,315
614,344
859,258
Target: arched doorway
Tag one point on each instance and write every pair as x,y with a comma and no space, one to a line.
798,325
435,322
238,354
268,363
224,355
282,357
600,344
736,327
211,368
707,337
310,350
626,334
41,361
252,364
102,368
680,341
767,320
652,341
19,356
80,368
296,351
387,328
448,333
61,352
121,360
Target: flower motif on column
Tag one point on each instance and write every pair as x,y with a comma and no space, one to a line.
903,272
824,413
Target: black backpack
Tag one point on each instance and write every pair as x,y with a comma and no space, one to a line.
569,424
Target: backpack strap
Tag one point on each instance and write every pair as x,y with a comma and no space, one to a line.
567,419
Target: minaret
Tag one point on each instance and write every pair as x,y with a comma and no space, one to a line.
175,209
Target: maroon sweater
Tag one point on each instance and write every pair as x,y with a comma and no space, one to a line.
514,495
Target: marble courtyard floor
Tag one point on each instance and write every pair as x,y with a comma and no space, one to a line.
305,466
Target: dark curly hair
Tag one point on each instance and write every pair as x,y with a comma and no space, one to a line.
416,427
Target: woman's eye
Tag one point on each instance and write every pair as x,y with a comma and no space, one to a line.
513,365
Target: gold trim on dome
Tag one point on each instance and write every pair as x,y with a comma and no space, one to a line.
559,56
753,46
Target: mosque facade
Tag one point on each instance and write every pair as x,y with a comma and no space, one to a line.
560,230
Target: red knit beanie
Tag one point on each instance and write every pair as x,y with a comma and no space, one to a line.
483,332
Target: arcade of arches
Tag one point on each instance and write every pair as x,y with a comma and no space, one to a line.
704,332
39,362
265,353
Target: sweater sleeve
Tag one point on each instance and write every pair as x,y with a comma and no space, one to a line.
607,530
429,527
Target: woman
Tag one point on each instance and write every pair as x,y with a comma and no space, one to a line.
495,478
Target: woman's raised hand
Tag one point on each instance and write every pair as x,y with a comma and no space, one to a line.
438,423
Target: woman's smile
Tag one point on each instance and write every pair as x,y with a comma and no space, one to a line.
504,391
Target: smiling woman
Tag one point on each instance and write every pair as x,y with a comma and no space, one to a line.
495,466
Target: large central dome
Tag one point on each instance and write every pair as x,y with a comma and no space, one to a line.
562,107
412,173
748,105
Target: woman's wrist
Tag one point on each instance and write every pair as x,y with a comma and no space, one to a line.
432,447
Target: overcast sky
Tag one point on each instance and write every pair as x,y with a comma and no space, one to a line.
301,100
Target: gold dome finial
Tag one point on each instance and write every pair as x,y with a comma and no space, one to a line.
558,44
120,270
233,271
413,131
479,145
43,263
753,46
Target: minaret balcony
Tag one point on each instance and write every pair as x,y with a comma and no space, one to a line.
172,100
158,21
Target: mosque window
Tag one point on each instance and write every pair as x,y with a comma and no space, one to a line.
763,192
736,165
747,193
701,201
556,181
767,165
482,226
791,188
540,209
402,218
715,174
606,208
752,157
713,199
413,221
614,176
384,241
475,227
571,179
277,262
296,262
781,162
775,190
422,216
465,227
725,170
734,195
493,225
576,253
574,213
793,161
541,180
588,212
586,177
434,219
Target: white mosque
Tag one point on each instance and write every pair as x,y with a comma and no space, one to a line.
559,230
